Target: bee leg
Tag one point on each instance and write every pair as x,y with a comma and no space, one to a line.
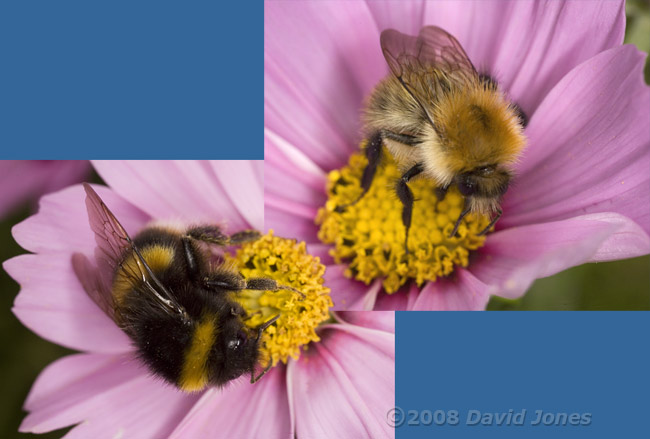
492,223
255,379
224,280
460,218
441,192
265,325
192,258
373,154
210,234
218,279
266,284
243,237
406,197
214,235
261,329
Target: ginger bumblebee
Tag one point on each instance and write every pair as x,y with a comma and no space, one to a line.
176,306
442,120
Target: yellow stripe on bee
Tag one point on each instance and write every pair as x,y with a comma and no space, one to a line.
194,376
158,257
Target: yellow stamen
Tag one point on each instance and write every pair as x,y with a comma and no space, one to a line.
369,235
290,265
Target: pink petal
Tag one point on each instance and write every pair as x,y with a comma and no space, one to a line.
512,259
383,320
462,292
288,225
184,190
401,300
405,16
530,46
629,240
350,294
307,212
243,181
61,224
285,182
369,299
65,386
317,70
321,251
109,395
282,155
589,146
53,304
71,370
22,181
153,413
333,390
241,410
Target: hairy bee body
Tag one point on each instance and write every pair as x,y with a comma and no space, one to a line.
163,251
442,120
390,108
177,306
190,351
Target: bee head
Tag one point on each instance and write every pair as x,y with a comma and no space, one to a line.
484,186
235,352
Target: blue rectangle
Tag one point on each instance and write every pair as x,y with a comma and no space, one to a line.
131,79
588,369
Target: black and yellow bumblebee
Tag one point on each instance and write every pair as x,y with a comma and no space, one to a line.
162,289
444,121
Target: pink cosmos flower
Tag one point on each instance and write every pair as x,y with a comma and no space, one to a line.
329,392
26,180
582,185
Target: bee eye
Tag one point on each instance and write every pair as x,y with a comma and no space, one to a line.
467,187
240,341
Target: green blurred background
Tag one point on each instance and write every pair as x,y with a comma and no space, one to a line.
620,285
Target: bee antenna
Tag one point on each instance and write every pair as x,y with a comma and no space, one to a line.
460,218
492,223
265,325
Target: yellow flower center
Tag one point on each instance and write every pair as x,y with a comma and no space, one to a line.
287,262
369,235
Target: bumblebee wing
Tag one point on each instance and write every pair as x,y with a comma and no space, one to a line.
93,283
432,48
111,238
428,63
113,244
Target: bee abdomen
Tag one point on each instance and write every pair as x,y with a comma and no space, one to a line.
161,339
195,373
